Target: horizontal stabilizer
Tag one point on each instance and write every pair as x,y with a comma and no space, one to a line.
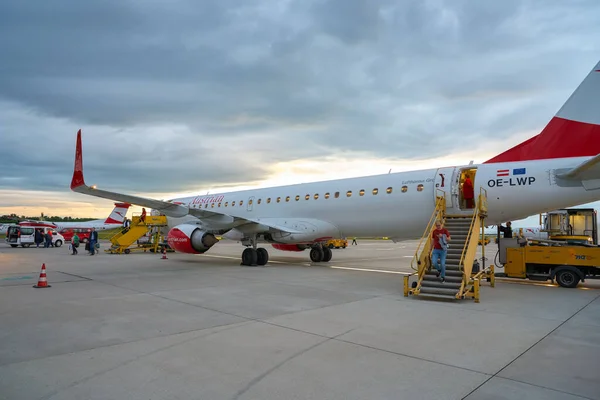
587,172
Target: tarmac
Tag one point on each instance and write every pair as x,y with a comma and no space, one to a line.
204,327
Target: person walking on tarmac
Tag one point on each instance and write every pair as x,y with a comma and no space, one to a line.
440,237
93,240
75,243
506,230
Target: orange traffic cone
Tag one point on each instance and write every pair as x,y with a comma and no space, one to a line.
42,281
164,254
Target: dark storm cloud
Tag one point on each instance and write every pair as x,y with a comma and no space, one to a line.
172,95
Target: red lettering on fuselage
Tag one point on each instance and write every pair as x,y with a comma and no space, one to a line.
207,199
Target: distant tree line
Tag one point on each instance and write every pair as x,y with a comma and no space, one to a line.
14,218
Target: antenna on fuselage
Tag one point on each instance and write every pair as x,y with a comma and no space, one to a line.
390,171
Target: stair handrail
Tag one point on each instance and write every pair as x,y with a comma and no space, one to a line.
438,213
470,246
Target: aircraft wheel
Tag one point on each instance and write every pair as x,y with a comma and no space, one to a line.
262,256
249,256
327,254
316,254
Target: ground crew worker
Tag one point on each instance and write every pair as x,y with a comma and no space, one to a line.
506,230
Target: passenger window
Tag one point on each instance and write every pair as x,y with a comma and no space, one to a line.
259,201
250,202
307,197
327,195
297,197
349,193
316,196
268,200
212,205
420,187
232,203
375,191
206,205
362,192
404,189
219,205
388,190
287,198
336,195
226,203
279,199
241,202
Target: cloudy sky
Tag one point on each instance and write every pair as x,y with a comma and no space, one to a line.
185,96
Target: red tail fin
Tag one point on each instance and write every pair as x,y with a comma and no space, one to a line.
78,170
573,132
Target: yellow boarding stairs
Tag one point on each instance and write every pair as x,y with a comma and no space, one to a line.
461,282
122,241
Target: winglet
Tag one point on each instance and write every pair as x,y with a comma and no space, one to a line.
78,169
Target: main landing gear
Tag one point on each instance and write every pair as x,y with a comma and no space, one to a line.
252,256
320,254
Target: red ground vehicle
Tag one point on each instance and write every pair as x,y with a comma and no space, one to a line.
83,233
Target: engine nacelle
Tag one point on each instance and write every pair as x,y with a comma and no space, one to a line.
187,238
290,247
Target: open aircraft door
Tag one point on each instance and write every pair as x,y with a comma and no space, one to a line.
445,179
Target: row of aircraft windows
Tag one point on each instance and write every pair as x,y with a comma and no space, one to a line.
327,195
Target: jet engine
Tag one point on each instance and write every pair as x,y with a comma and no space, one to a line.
187,238
290,247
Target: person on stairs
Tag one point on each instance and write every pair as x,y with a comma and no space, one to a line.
440,237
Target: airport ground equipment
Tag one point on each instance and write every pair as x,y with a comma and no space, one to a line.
463,273
336,243
543,260
123,242
574,225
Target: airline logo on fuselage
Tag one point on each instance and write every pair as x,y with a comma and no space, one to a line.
207,199
511,177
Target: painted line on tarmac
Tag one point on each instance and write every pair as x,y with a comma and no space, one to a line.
17,278
383,271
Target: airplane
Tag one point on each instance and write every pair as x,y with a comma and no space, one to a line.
557,168
114,220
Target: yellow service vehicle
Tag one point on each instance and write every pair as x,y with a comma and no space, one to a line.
543,260
337,243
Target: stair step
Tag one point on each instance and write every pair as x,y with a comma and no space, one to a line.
442,285
439,291
454,250
449,272
449,279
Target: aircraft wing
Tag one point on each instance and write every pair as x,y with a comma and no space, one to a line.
171,209
587,172
286,226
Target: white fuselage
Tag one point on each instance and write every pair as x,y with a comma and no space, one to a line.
528,188
98,224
